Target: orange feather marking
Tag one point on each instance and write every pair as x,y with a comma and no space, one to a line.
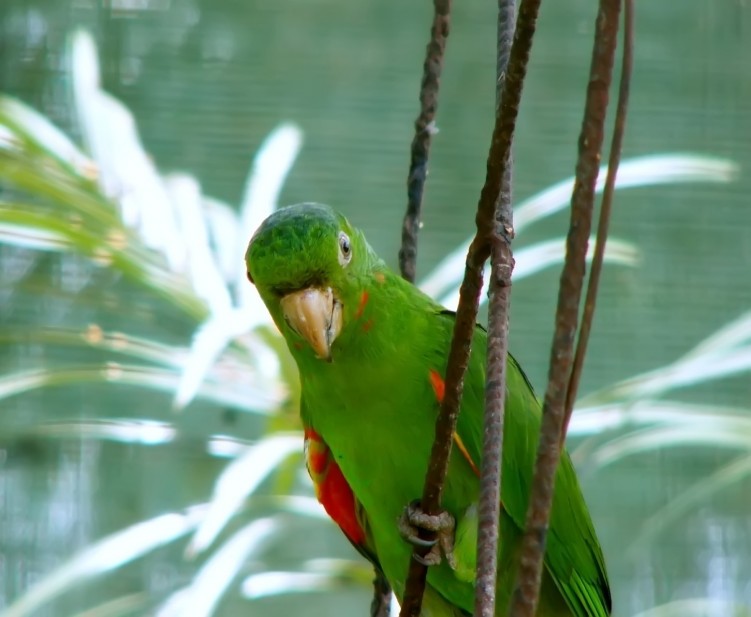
465,453
439,387
361,307
332,490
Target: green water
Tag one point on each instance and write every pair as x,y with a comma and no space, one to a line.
208,79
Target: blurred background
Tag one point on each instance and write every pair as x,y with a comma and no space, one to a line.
150,461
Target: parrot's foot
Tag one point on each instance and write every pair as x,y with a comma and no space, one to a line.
442,524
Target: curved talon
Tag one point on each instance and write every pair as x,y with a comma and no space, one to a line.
409,532
418,541
442,524
432,558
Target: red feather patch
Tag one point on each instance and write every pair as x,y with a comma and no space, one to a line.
332,489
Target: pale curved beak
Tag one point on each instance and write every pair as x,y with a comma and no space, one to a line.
316,315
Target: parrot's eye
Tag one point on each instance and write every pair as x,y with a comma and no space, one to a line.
345,249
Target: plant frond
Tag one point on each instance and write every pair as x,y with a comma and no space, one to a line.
699,493
241,396
652,170
106,555
542,255
238,481
214,577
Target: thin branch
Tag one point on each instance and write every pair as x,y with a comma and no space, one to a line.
614,160
418,171
525,597
469,296
381,604
502,265
424,129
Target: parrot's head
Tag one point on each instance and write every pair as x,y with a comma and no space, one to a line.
310,267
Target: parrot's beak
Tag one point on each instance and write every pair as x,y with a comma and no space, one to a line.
316,315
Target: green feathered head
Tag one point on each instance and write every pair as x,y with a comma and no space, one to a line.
310,266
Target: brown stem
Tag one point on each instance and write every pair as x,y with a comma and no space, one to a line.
469,296
525,597
499,291
418,172
424,129
616,145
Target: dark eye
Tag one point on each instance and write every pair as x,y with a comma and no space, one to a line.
345,249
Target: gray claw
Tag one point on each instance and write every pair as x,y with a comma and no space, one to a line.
431,558
410,533
442,524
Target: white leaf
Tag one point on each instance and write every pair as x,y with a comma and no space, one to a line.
699,493
47,134
271,165
318,575
203,271
8,139
651,170
733,335
596,420
123,605
226,243
643,171
698,607
36,238
127,173
712,436
681,374
238,480
281,583
533,259
104,555
211,581
140,432
226,446
211,339
84,62
302,506
262,399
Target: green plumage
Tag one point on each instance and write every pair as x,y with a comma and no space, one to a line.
373,403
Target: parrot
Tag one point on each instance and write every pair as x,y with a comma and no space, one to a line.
371,351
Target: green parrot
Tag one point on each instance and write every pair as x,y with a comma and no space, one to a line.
371,351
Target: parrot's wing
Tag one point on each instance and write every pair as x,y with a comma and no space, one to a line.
335,494
573,556
365,546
